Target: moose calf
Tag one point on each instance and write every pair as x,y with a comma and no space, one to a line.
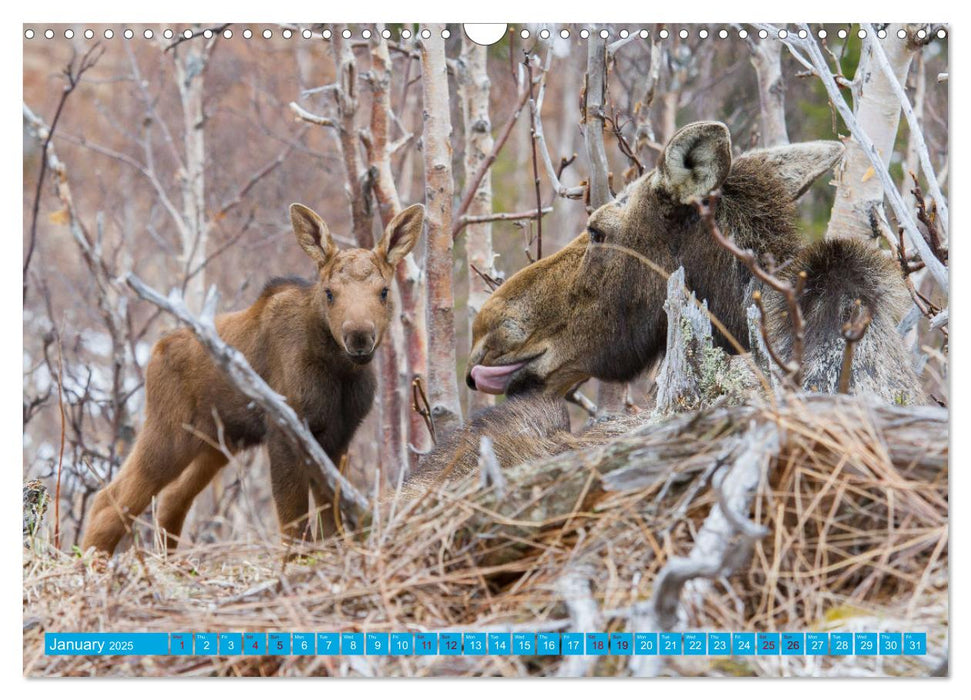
311,342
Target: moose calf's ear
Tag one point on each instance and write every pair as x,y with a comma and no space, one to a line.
696,161
402,234
312,234
800,164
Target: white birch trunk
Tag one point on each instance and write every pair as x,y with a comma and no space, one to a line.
474,87
439,187
877,111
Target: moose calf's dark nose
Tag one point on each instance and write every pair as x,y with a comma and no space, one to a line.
359,338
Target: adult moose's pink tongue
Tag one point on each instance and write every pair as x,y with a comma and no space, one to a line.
493,380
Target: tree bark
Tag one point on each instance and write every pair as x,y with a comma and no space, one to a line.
877,111
474,87
346,95
191,59
767,59
610,396
440,313
393,384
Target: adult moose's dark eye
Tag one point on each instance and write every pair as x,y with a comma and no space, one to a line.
384,294
596,235
330,295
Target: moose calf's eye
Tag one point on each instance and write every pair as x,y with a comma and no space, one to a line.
384,294
330,295
596,235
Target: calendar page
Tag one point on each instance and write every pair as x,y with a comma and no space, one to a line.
521,350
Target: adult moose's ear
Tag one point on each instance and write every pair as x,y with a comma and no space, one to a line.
696,161
312,234
402,234
800,164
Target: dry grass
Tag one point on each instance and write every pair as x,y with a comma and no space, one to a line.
856,503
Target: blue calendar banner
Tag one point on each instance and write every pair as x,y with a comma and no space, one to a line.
180,644
695,643
106,644
491,643
523,644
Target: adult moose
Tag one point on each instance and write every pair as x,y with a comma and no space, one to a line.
593,309
311,342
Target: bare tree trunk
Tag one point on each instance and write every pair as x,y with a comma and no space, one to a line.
346,94
191,59
474,88
767,59
437,151
610,396
392,444
877,111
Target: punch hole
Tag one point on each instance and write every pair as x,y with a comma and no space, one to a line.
228,34
584,33
722,33
664,33
803,33
366,33
941,34
901,34
68,33
921,33
306,33
881,33
742,33
624,33
327,34
426,34
524,34
267,34
763,34
168,34
346,33
604,33
544,34
565,33
109,33
287,33
247,33
821,34
683,34
446,33
783,33
148,34
842,33
405,33
861,33
643,34
703,34
187,34
386,34
129,33
29,34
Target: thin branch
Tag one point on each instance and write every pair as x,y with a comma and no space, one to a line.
853,332
306,116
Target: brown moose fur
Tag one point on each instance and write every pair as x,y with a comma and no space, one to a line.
311,342
596,308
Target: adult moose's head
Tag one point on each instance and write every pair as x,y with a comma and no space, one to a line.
596,308
353,288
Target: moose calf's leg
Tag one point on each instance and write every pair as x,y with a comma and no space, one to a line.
176,498
154,462
290,488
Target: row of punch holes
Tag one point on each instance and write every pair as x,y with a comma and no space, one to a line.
406,33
